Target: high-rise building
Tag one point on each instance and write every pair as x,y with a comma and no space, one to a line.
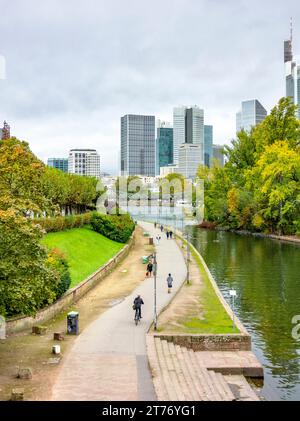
208,145
292,73
84,162
218,154
58,163
138,145
164,145
251,114
5,131
188,127
189,159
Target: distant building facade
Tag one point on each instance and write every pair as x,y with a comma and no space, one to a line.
170,169
251,114
58,163
208,145
164,145
190,157
188,127
84,162
218,154
137,145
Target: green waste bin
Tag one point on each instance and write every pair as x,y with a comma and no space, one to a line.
145,259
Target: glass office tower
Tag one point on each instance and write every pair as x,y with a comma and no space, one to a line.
164,147
251,114
58,163
208,145
138,145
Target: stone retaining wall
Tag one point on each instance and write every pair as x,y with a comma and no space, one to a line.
206,342
19,324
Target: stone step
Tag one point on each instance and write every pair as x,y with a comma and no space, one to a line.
225,394
194,395
211,391
180,373
226,387
172,371
172,396
241,388
157,378
199,379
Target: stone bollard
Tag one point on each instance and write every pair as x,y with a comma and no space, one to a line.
56,349
24,373
58,336
39,330
17,394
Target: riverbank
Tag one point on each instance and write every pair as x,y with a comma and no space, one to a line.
285,238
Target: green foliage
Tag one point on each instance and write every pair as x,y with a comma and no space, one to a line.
115,227
60,223
259,187
27,283
57,261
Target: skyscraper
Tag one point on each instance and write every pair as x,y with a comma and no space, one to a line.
251,114
208,145
84,162
188,127
218,154
164,145
138,145
292,73
58,163
189,157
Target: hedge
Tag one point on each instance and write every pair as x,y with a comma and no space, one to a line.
115,227
60,223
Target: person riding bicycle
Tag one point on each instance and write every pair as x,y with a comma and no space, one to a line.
137,306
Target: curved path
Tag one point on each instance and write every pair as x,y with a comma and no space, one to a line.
108,360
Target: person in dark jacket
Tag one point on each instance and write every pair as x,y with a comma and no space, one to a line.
149,269
137,305
170,283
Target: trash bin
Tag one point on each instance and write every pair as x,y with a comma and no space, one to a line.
73,323
151,241
145,259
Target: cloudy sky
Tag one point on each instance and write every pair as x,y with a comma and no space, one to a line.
74,67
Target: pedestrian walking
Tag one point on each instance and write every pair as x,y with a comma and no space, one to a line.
158,237
155,224
167,234
149,269
161,228
171,234
170,283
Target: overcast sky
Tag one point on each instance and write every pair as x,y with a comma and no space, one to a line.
73,68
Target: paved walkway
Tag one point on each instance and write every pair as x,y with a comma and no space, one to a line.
109,360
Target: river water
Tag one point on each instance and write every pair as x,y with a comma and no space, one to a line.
266,275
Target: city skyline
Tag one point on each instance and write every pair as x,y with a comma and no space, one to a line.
56,108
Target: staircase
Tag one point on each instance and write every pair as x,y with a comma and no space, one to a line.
179,375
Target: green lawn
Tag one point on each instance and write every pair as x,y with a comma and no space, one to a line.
84,249
216,320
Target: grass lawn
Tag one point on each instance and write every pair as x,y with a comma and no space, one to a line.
84,249
216,319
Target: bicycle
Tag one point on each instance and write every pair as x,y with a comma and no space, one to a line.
137,317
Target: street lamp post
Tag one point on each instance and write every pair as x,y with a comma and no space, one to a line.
155,274
188,258
232,294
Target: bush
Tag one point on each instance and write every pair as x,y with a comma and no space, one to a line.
58,262
115,227
60,223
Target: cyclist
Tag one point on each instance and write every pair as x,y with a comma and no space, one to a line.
137,306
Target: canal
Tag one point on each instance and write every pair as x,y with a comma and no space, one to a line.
266,275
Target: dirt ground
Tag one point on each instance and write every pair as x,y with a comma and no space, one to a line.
35,351
186,303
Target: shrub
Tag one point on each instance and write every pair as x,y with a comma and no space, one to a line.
115,227
58,262
60,223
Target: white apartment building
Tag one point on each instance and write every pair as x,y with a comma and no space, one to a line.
190,157
84,162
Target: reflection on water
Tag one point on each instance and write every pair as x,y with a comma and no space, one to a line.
265,274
